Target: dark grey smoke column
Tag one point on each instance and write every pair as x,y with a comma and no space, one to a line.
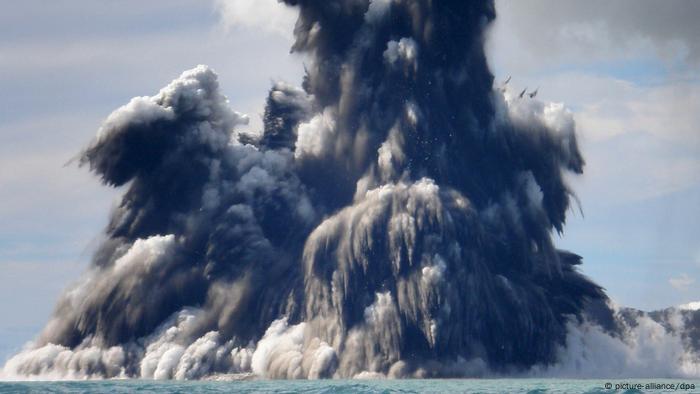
451,203
394,218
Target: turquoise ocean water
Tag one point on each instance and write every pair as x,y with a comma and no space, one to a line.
341,387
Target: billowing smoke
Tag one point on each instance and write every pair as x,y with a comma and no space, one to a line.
394,218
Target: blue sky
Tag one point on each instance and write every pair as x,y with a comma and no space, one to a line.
630,78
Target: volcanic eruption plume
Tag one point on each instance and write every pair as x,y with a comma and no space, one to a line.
394,217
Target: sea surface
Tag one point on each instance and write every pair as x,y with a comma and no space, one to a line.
363,386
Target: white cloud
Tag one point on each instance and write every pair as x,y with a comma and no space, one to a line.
635,167
570,30
682,282
667,111
261,15
691,306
